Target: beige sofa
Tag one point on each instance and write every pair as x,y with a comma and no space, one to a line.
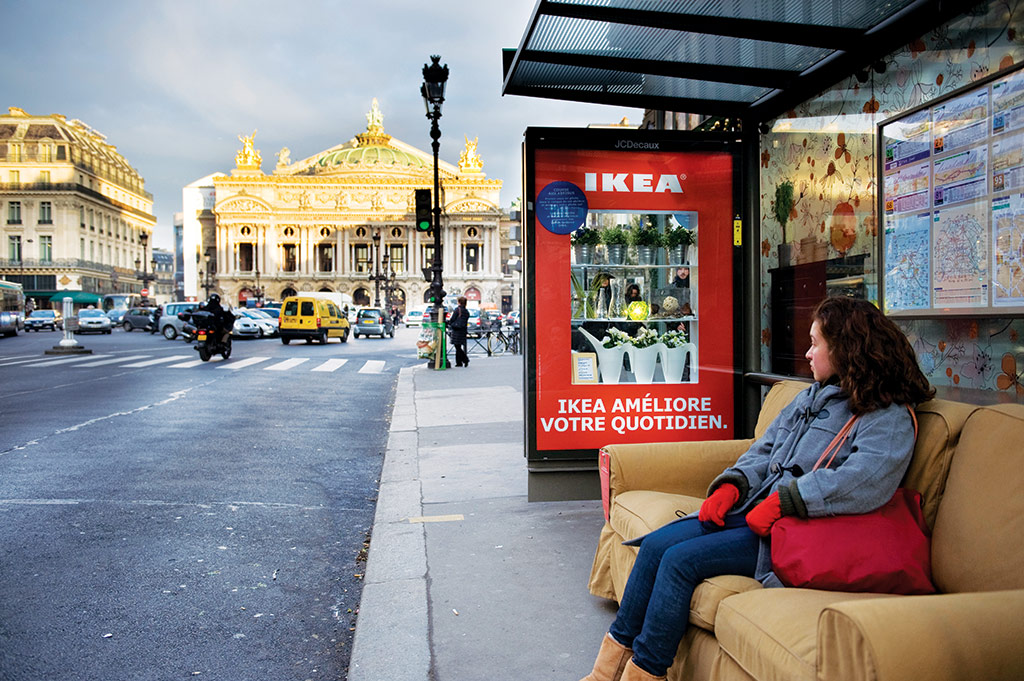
969,467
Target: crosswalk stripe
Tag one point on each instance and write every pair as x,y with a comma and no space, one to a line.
248,362
372,366
330,365
187,365
65,360
158,360
287,364
111,360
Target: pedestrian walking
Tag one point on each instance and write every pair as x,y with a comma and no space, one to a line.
458,323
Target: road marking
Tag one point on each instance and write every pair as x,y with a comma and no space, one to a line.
112,360
437,518
287,364
65,360
331,365
187,365
159,360
372,366
248,362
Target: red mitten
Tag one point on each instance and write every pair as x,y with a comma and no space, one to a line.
764,515
718,504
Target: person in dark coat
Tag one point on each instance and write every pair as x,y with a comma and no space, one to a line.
458,323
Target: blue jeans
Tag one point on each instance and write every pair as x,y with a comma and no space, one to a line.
673,560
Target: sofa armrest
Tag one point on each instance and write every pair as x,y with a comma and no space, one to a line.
676,467
944,637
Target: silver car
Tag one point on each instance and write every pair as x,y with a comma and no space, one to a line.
170,325
373,321
94,321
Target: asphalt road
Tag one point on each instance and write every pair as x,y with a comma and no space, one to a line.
179,519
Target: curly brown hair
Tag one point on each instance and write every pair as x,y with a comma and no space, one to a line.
873,360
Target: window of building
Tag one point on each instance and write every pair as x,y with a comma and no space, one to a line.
110,230
289,231
45,152
81,249
245,257
325,257
471,261
81,216
397,253
361,253
92,220
361,231
289,257
428,255
14,153
397,232
92,251
62,152
246,230
14,248
45,213
472,232
14,213
325,232
14,177
44,177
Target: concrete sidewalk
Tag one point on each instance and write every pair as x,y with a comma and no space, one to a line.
466,580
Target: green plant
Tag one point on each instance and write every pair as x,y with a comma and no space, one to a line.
645,234
645,338
783,205
585,237
674,339
615,236
679,236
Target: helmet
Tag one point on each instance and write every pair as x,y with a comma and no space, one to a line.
214,299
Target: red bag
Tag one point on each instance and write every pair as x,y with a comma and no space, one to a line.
885,551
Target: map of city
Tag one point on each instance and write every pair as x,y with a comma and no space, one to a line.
961,246
1008,254
907,262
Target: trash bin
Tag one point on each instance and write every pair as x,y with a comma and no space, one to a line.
431,345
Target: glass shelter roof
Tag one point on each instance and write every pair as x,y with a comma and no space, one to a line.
751,59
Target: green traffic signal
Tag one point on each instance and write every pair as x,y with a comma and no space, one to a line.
423,221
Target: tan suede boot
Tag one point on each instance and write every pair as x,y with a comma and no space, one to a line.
634,673
612,657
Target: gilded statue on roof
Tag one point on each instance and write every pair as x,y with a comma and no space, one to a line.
469,160
248,157
375,118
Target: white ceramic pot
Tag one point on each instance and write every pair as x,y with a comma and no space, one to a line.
673,361
644,361
609,360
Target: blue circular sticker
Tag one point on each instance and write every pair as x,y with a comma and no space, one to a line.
562,207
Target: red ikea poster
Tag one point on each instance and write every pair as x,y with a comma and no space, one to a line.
630,292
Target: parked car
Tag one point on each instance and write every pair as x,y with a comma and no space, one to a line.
475,326
513,318
138,318
490,320
170,325
372,321
44,319
268,325
94,321
416,316
115,315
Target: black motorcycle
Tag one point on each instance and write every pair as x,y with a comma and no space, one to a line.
211,338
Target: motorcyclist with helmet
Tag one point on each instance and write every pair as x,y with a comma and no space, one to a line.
224,318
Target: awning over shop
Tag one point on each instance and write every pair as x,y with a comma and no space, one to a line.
77,297
749,59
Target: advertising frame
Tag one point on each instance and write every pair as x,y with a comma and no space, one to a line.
725,372
951,176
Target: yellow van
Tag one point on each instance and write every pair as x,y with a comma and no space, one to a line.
312,319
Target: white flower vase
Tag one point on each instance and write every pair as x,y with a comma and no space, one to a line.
644,361
609,360
673,361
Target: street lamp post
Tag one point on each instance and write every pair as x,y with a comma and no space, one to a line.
141,263
377,277
435,77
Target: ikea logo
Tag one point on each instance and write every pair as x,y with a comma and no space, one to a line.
634,182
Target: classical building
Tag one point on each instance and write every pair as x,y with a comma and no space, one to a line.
75,217
342,220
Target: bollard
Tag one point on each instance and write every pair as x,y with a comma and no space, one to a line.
68,346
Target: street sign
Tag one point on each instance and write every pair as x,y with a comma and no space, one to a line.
144,292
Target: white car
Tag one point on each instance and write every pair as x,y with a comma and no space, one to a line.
269,325
94,321
244,327
416,316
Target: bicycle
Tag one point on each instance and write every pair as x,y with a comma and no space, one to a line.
498,343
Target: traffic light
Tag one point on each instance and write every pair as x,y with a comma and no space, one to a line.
423,221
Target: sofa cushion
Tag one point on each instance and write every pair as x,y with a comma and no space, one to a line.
976,542
711,592
939,425
773,633
639,512
780,395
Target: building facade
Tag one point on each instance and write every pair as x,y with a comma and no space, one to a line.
75,214
342,220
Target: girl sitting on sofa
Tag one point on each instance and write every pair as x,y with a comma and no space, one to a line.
862,365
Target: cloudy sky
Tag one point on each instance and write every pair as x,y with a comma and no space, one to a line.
172,83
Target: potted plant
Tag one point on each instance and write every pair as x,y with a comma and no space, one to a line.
615,240
782,209
677,241
583,242
646,237
643,354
